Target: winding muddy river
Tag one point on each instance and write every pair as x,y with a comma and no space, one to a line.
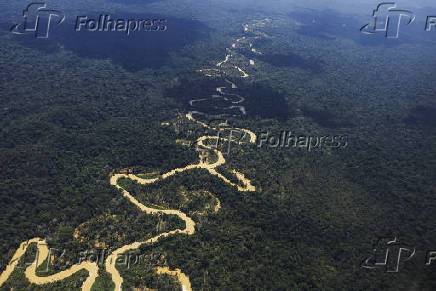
110,263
